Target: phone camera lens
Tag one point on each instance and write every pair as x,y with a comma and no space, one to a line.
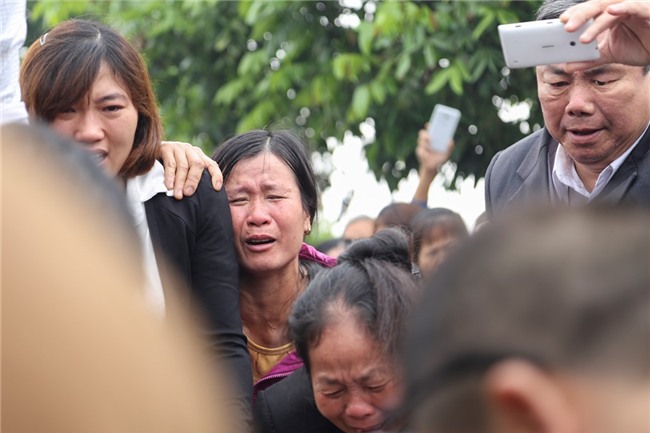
572,43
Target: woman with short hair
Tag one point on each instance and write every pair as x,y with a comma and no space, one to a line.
90,84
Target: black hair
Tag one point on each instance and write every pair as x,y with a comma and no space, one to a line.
552,9
428,219
283,144
372,280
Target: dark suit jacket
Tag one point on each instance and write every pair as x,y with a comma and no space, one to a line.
289,407
194,236
520,175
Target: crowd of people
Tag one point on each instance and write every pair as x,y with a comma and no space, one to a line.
148,286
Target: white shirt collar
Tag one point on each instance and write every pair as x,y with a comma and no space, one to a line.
142,188
565,175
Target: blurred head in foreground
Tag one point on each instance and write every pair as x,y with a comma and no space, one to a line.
539,323
80,351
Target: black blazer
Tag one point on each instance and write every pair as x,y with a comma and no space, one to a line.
520,175
194,236
289,407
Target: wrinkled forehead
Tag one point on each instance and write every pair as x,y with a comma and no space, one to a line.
560,69
266,170
264,163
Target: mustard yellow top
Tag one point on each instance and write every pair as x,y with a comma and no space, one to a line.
263,359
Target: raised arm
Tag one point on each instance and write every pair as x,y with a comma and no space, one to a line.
430,162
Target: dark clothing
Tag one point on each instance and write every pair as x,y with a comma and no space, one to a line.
289,407
284,400
281,370
194,235
314,260
521,176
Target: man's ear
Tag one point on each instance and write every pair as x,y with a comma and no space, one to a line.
522,398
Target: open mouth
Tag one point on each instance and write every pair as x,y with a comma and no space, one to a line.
583,132
259,241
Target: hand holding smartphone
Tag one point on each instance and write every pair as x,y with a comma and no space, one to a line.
442,126
544,42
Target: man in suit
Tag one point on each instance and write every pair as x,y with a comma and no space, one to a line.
594,145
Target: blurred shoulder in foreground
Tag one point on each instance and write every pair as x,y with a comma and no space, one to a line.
80,351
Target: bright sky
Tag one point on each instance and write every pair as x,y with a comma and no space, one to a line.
351,173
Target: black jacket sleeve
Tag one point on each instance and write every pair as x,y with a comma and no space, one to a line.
195,236
289,407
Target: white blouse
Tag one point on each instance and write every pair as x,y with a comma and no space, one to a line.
138,190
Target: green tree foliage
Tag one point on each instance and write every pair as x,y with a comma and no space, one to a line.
324,68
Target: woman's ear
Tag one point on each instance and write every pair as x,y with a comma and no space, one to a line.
523,398
307,224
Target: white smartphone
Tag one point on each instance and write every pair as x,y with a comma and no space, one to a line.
442,126
544,42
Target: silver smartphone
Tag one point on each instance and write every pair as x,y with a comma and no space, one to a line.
442,126
544,42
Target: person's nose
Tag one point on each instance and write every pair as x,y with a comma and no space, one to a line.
580,101
258,213
89,128
358,407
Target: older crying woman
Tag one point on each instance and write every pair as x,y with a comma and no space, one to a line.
347,328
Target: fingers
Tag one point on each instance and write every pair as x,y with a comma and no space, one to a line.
601,23
189,180
183,168
576,16
429,159
423,138
170,161
213,168
639,9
